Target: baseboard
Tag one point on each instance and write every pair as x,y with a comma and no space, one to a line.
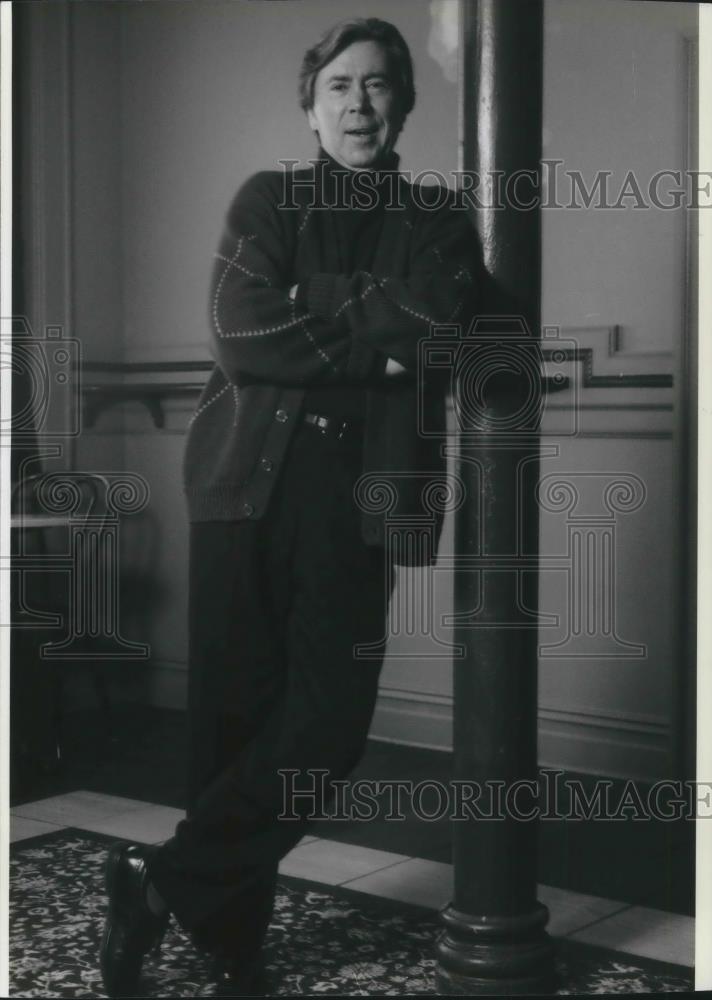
587,743
580,741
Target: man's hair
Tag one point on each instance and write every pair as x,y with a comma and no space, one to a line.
359,29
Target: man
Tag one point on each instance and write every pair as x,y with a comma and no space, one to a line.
325,281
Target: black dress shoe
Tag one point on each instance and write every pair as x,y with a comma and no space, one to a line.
131,929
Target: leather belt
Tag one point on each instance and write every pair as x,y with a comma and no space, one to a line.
337,428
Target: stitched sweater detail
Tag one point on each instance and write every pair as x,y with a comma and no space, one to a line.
269,349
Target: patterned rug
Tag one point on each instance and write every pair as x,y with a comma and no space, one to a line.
323,940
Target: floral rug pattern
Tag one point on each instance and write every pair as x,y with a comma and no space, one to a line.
321,941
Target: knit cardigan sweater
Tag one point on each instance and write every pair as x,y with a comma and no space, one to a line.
268,348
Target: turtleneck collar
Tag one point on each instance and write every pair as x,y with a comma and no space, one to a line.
344,187
386,164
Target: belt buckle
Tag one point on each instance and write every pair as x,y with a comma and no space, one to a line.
319,422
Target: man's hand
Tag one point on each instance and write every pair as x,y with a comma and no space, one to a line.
394,367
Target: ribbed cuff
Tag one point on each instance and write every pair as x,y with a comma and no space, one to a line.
362,359
301,299
324,292
378,371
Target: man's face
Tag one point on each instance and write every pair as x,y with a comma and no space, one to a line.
356,108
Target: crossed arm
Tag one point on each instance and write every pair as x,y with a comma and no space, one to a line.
393,367
339,325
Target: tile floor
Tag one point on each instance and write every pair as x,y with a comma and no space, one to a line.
634,930
647,865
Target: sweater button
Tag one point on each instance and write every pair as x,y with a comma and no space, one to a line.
247,509
281,415
266,464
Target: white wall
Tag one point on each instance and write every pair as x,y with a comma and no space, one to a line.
616,99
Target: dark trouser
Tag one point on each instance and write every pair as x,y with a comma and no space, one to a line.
276,608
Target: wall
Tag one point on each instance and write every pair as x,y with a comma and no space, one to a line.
174,104
614,288
616,79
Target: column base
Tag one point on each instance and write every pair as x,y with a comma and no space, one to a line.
448,984
495,955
